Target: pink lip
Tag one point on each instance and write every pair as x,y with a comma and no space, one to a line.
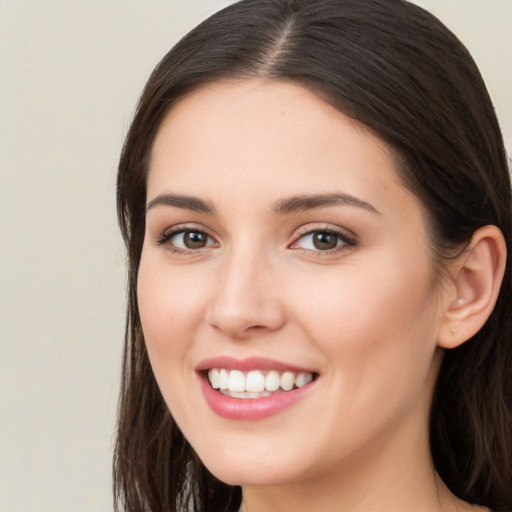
253,408
251,363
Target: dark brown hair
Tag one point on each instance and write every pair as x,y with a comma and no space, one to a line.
397,69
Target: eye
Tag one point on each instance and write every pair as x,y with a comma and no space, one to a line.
323,240
187,239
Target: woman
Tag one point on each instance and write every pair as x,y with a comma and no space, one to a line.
316,204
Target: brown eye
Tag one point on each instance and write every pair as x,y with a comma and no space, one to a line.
195,239
323,241
187,240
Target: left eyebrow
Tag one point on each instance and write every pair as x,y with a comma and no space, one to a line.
184,202
308,202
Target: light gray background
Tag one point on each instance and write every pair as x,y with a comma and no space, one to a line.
70,74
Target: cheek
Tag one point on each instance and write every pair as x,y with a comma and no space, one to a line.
370,320
377,333
170,308
168,302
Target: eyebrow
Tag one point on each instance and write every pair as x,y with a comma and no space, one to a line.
282,207
179,201
308,202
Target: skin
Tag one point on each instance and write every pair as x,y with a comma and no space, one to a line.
365,315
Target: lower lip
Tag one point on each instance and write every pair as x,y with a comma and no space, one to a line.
251,408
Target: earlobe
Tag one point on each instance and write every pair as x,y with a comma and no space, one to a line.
477,278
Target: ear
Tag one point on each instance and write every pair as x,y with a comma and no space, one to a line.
474,286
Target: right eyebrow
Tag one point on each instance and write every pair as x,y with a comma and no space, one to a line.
308,202
179,201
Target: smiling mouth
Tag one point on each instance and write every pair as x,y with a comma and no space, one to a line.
256,383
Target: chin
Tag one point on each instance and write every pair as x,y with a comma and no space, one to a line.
245,467
249,476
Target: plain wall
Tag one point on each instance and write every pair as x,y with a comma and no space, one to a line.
70,74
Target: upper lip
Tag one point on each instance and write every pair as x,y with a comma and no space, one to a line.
248,364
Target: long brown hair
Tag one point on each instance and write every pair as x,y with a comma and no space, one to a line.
397,69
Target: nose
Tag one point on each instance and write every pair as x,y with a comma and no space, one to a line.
247,300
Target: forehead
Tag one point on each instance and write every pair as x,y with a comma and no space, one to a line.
274,137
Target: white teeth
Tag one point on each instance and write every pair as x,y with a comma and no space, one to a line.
255,384
272,381
213,375
287,380
223,379
234,394
247,394
236,381
302,379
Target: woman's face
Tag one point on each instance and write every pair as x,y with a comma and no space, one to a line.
281,251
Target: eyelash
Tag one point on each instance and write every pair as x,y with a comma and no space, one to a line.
166,237
347,241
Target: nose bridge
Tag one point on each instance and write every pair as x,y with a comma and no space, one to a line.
246,298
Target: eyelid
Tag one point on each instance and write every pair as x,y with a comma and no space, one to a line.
166,236
348,238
